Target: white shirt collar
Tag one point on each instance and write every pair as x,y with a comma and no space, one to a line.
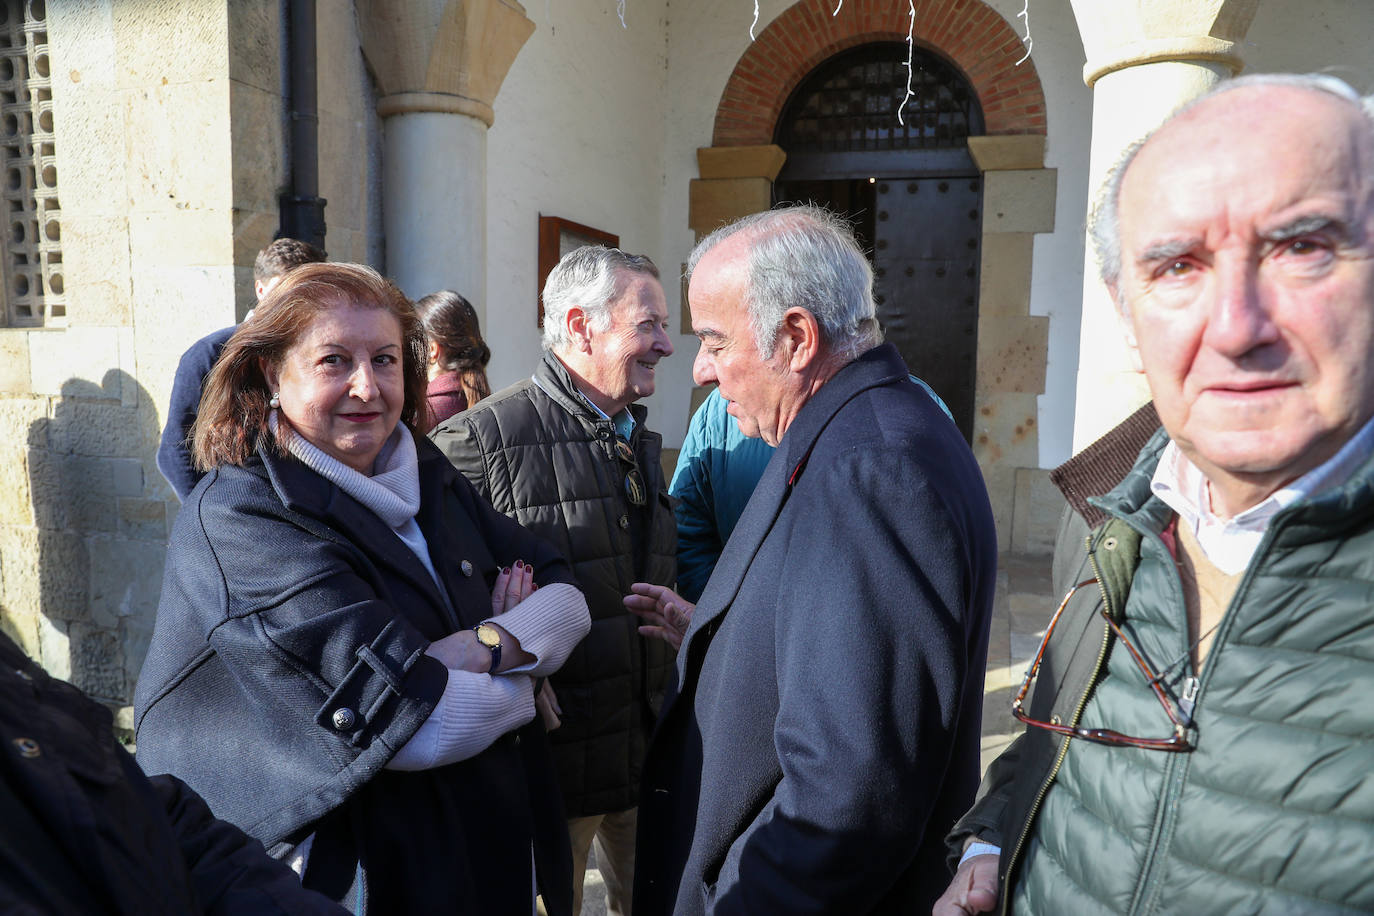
1230,543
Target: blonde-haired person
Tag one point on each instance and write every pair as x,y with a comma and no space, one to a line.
348,637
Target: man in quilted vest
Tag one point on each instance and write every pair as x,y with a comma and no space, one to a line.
568,455
1199,737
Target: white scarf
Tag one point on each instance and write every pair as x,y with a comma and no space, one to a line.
393,490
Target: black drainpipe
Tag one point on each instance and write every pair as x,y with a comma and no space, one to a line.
302,208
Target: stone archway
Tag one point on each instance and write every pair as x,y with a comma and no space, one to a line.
737,171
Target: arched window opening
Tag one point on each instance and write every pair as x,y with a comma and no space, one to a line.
850,104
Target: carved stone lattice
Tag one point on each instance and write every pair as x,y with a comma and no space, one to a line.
31,268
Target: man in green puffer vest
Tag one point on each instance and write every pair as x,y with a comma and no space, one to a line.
1199,734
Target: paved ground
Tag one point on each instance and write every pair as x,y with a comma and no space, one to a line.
1023,607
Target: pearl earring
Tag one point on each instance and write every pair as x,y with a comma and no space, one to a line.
275,401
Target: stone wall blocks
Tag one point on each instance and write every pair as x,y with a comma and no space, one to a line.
16,486
255,53
29,414
125,379
74,362
1015,151
1001,485
201,298
203,237
14,360
1004,429
1004,279
257,146
715,202
1035,513
95,250
126,477
1019,200
45,572
125,579
178,148
253,231
143,519
144,32
342,173
740,161
97,662
100,430
22,627
83,499
1012,353
86,28
54,648
88,130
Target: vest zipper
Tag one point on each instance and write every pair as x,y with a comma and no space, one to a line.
1175,775
1005,895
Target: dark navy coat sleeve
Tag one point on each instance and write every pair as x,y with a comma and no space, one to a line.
174,452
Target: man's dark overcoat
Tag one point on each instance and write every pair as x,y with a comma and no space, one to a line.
287,666
825,734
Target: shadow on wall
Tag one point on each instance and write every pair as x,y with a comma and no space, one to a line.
98,539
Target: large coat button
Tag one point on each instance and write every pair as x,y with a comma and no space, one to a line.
344,719
623,521
466,567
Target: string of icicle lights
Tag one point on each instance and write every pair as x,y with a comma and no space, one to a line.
1024,16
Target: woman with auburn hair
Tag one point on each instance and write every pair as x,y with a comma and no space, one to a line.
349,637
457,355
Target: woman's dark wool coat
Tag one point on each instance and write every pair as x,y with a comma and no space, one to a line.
287,666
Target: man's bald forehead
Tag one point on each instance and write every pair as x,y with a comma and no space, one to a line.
1223,116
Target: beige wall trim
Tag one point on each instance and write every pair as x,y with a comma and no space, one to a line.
1134,54
1007,152
442,102
741,161
713,202
735,181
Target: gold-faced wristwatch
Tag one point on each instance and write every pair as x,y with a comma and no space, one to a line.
490,637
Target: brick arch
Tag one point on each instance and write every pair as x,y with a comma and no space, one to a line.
968,32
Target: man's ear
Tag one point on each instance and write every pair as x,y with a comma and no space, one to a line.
1123,314
579,328
799,336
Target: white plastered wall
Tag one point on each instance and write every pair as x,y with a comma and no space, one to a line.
579,135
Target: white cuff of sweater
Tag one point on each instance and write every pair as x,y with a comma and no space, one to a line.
474,710
548,624
979,848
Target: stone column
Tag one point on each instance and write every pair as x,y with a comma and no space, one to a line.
439,65
1144,59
